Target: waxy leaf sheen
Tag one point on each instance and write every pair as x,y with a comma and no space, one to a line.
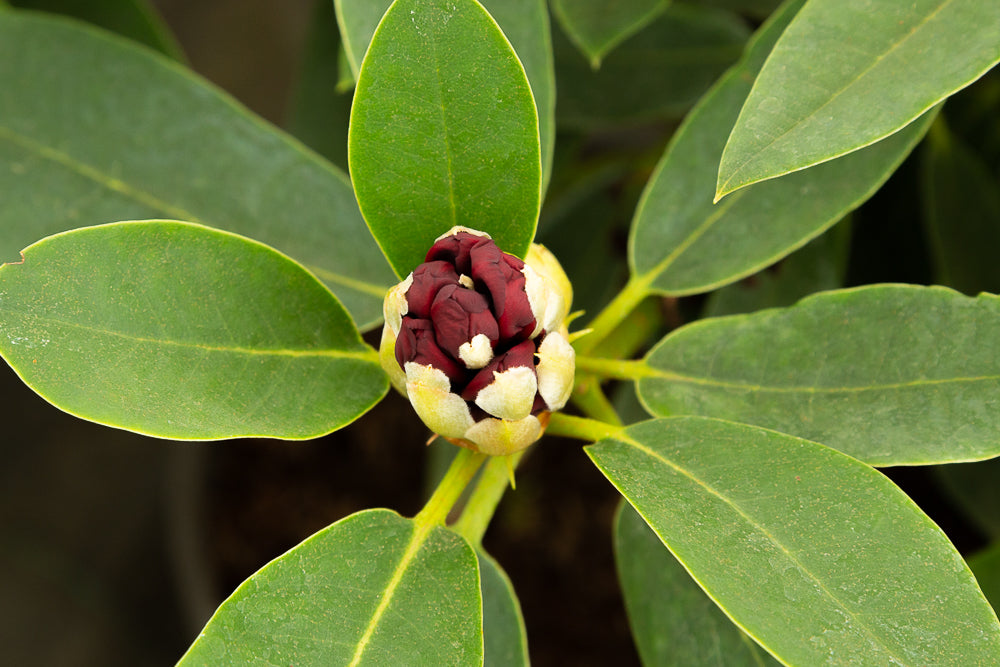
181,331
372,589
817,556
890,374
443,132
847,73
681,243
97,129
525,24
672,620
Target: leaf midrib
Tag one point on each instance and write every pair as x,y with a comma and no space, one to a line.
145,198
811,389
365,354
858,620
724,187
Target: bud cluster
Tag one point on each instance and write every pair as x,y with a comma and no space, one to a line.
476,339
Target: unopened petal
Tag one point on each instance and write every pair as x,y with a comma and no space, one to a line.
387,357
476,353
500,437
429,391
544,262
394,307
556,368
511,394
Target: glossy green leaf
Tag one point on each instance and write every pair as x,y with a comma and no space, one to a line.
815,555
962,213
320,110
890,374
986,566
135,19
673,622
658,73
372,589
357,20
443,132
847,73
524,22
181,331
683,244
817,266
596,26
95,129
504,638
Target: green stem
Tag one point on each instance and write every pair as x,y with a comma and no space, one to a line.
615,368
485,497
635,290
581,428
463,468
591,399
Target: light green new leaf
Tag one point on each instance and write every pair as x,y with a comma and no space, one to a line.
524,22
372,589
814,554
890,374
658,73
181,331
443,132
95,129
596,26
505,638
847,73
135,19
683,244
962,213
673,622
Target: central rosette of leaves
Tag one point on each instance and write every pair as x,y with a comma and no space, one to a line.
476,339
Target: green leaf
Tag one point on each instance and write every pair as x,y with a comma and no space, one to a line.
683,244
596,26
372,589
658,73
962,212
505,638
135,19
95,129
847,73
320,111
815,555
672,620
357,20
819,265
524,22
890,374
181,331
443,132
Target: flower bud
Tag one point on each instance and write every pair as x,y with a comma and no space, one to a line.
476,339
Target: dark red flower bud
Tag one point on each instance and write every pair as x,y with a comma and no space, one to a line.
428,279
416,342
475,339
459,315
